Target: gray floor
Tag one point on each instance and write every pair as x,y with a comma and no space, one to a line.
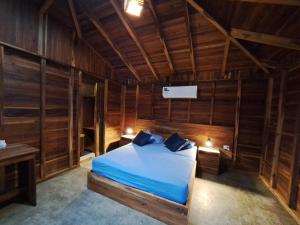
229,199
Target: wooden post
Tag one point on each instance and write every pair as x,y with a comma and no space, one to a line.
2,169
123,105
70,117
79,115
96,119
137,96
237,119
212,104
1,88
152,101
225,57
105,111
42,117
280,119
266,131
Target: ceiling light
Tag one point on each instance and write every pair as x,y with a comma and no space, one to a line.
133,7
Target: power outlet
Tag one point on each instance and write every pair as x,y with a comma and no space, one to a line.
226,147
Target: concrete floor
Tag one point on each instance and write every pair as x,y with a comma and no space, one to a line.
229,199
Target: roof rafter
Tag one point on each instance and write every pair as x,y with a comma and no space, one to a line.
218,26
225,57
102,32
74,17
133,35
275,2
267,39
46,5
189,35
161,36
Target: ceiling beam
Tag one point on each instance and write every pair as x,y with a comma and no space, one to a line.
274,2
190,40
102,32
74,17
267,39
225,57
133,35
219,27
161,36
46,5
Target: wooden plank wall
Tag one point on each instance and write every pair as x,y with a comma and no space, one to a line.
281,163
215,107
21,30
251,124
113,115
39,94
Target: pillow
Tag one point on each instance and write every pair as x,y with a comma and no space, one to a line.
175,142
142,138
156,139
188,145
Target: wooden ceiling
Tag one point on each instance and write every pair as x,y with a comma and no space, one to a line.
179,38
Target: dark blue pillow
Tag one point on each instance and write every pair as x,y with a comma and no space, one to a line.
142,139
175,142
188,145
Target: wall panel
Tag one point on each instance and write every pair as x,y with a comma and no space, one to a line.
56,118
215,107
251,126
21,106
113,114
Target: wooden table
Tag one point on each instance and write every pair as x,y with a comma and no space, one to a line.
208,160
24,157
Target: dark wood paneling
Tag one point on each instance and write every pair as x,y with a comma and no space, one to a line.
19,24
21,102
251,125
56,118
196,132
288,162
215,106
145,105
113,114
160,105
200,107
225,103
130,110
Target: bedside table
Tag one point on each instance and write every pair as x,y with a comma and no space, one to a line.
208,160
126,139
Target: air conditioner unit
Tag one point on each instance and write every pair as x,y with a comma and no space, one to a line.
180,92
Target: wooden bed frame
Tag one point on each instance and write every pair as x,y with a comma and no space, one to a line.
157,207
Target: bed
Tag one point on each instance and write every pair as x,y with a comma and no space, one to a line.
151,179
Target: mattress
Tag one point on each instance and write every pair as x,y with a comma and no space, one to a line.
151,168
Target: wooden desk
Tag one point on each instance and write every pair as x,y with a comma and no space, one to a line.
208,160
24,157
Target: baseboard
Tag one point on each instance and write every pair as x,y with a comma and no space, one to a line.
281,200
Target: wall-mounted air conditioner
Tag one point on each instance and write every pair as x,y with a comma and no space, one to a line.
180,92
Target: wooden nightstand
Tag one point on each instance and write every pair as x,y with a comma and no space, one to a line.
208,160
126,139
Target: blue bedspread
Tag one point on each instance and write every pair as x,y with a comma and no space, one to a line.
151,168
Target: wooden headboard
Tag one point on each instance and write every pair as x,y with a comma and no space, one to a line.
199,133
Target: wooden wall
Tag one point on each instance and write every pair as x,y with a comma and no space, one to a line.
39,94
281,165
21,29
230,112
112,114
